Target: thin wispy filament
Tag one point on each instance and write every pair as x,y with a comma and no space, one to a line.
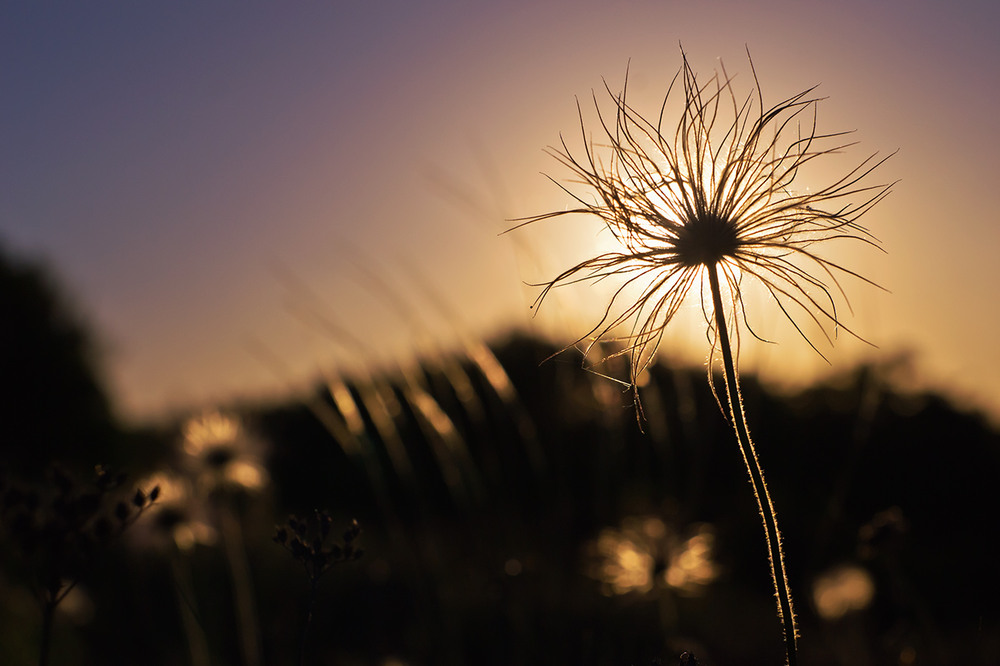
716,188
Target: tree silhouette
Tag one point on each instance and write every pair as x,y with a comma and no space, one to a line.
52,404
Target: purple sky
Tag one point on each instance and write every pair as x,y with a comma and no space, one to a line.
193,173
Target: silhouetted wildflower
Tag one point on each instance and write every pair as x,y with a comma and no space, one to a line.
61,527
309,541
714,194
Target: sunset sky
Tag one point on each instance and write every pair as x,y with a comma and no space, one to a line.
199,175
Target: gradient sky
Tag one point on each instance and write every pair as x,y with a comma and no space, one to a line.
195,172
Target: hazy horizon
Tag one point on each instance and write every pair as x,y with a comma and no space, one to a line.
199,177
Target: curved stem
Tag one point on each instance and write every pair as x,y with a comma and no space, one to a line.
767,513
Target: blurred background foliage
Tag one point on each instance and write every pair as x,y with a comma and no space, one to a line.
513,511
53,403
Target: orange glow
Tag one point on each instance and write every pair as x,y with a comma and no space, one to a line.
246,474
693,567
627,566
843,590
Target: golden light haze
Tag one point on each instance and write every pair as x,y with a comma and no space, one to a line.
201,179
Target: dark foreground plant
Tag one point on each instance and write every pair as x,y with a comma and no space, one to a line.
307,541
60,528
713,195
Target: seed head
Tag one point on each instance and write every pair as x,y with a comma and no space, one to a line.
718,188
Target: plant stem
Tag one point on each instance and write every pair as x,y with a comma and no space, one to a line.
193,631
239,567
767,513
48,617
313,593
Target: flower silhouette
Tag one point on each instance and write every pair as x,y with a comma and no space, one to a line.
716,194
646,554
222,454
714,190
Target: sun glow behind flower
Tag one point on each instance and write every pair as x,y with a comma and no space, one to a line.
158,160
715,190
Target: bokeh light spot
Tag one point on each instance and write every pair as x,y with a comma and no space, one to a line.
842,590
